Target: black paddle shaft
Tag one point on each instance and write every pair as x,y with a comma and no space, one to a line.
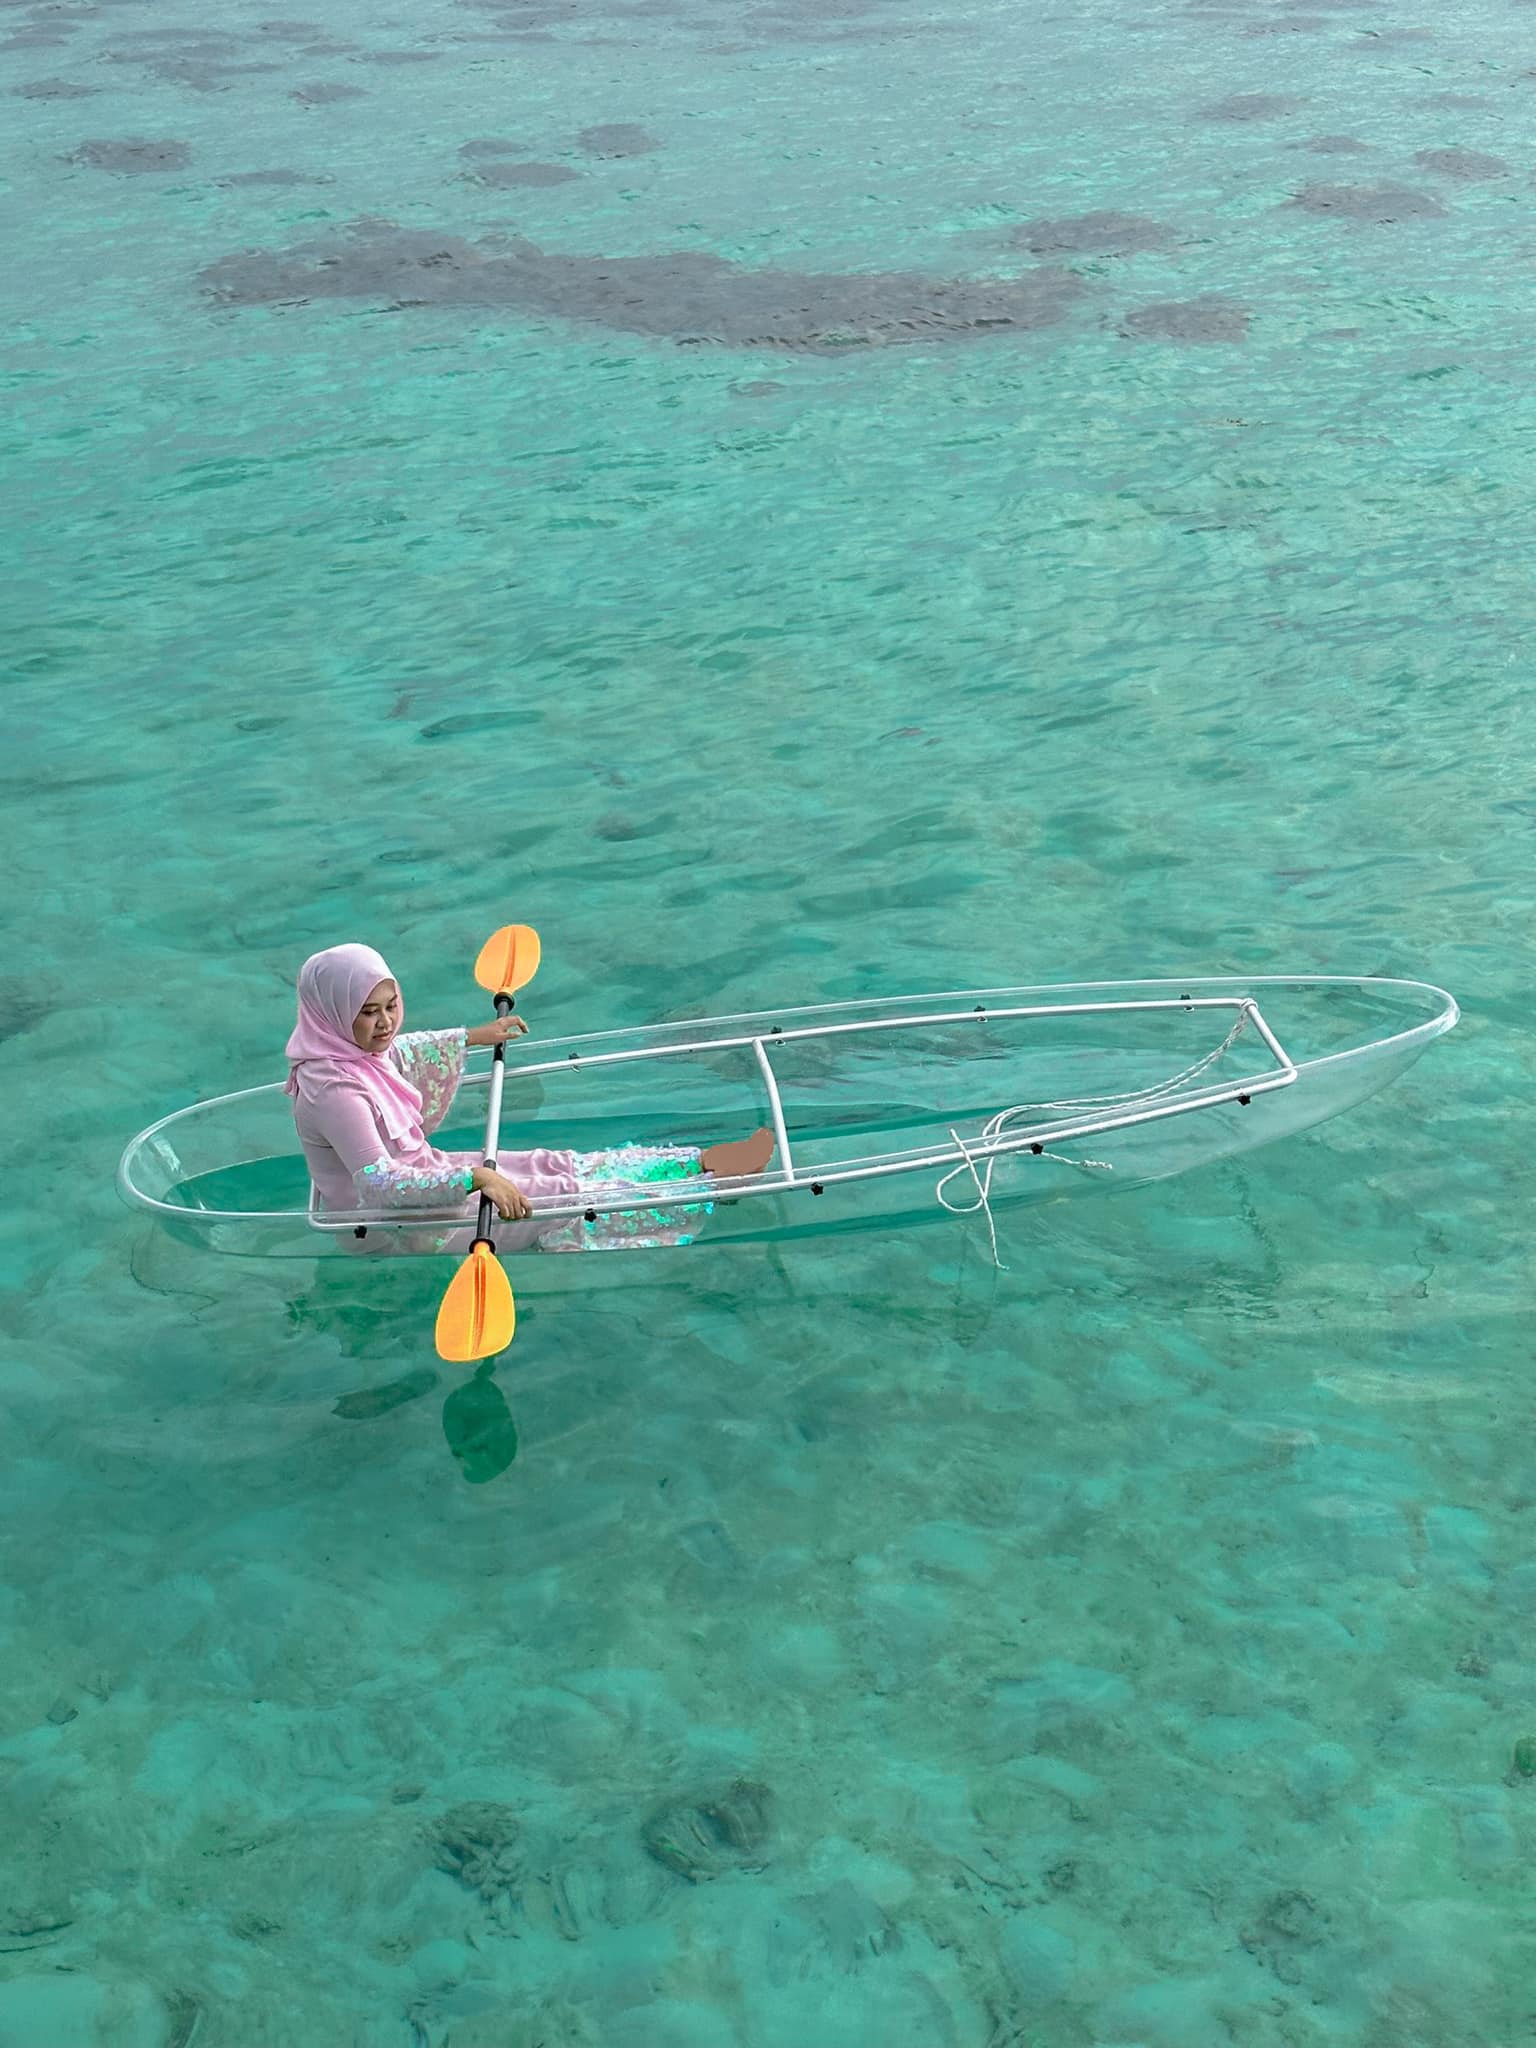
505,1004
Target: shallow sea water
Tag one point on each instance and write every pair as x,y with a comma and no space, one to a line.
1127,1649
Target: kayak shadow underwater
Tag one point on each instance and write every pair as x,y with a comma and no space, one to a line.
478,1427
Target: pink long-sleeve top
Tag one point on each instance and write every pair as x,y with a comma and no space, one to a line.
355,1165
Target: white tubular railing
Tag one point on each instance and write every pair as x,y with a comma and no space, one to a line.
770,1082
978,1014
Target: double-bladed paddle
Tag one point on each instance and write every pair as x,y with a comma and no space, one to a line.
478,1316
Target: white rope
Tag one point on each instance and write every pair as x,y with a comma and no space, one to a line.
997,1126
980,1202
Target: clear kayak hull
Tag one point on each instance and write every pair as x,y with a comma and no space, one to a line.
1034,1094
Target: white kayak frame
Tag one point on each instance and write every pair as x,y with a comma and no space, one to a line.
1226,997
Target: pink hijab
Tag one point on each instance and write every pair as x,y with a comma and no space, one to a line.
322,1053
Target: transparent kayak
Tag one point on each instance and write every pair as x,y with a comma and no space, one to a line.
889,1113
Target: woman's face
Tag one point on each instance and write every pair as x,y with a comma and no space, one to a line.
379,1019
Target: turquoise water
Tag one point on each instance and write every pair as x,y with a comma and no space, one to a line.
1128,1649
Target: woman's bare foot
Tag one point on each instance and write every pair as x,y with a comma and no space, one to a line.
740,1155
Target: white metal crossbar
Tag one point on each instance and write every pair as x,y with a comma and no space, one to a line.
775,1104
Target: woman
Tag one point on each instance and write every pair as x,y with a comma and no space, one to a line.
365,1095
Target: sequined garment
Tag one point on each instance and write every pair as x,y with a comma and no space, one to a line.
433,1063
616,1172
595,1175
354,1164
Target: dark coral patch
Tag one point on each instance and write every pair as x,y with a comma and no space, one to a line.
702,1836
617,138
478,1843
804,20
55,89
686,296
1468,165
326,94
1207,318
173,49
236,179
491,145
202,40
133,154
1251,106
502,177
1367,202
204,77
1097,234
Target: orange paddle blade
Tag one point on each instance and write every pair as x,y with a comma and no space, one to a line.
508,959
477,1316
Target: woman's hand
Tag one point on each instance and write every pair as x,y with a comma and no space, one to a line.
495,1034
510,1201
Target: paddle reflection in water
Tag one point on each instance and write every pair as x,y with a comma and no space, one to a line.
374,1315
478,1426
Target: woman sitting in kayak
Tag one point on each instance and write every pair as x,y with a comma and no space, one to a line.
365,1096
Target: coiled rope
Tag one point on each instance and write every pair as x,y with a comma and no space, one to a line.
998,1125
